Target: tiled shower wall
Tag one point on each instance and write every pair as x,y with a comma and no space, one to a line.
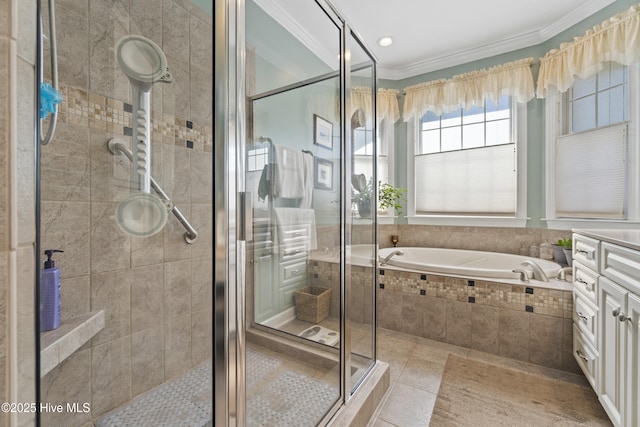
17,213
156,291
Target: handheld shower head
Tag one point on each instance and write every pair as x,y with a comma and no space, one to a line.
142,61
142,214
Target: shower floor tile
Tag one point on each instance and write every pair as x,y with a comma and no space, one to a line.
281,391
183,401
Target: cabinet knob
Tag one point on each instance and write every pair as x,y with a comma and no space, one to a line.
616,312
623,317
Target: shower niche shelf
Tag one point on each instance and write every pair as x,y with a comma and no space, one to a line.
57,345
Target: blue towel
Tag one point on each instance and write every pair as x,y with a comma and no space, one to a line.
49,99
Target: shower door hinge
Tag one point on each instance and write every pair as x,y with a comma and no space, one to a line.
244,216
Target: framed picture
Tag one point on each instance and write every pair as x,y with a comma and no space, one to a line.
322,132
324,174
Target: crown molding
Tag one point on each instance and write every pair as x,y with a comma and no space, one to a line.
532,38
460,57
464,56
281,16
572,18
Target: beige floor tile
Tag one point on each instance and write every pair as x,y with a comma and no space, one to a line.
417,366
408,406
422,374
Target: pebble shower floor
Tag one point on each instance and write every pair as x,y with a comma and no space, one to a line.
186,400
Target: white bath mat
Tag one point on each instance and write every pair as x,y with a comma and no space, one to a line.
321,335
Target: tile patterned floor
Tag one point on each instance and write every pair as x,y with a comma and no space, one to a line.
416,368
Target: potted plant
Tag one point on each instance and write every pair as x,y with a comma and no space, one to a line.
389,196
362,199
567,249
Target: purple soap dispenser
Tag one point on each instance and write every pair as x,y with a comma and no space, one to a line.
49,293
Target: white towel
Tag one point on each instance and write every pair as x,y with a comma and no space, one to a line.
289,176
306,202
288,219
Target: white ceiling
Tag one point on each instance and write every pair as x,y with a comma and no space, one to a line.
431,35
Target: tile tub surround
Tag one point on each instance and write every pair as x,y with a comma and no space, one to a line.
519,321
518,241
155,292
522,322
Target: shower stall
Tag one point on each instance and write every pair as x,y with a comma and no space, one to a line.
214,271
299,340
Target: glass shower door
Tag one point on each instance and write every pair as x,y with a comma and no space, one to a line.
292,180
362,251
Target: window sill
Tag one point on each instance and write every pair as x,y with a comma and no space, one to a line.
473,221
606,224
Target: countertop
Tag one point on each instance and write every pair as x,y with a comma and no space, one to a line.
626,238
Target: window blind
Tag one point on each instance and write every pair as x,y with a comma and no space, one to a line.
590,173
480,181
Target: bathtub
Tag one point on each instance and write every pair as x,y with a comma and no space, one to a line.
466,263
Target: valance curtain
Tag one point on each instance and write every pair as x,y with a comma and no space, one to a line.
468,89
387,102
616,39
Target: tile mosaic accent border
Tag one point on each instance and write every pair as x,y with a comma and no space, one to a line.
556,303
83,108
549,302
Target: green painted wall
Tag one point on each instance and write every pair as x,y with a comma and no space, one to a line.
535,109
206,5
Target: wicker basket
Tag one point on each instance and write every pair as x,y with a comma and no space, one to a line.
312,303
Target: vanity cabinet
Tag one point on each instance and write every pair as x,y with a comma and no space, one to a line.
606,287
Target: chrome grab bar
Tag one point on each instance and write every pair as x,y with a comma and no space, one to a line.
191,234
54,68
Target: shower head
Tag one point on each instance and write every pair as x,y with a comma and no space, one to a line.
142,61
142,213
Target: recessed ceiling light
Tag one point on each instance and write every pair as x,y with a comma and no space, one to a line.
385,41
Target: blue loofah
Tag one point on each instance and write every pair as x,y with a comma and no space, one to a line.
49,98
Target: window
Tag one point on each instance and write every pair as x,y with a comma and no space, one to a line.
462,130
257,159
591,159
469,165
598,101
363,150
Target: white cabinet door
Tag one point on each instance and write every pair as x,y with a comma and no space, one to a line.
611,343
632,376
263,288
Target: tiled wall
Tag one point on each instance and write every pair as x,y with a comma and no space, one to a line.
521,322
156,291
17,213
519,241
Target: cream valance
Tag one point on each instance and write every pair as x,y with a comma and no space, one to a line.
387,102
468,89
616,39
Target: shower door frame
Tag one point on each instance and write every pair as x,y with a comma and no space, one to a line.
230,217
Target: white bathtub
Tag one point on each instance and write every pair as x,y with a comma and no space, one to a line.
466,263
